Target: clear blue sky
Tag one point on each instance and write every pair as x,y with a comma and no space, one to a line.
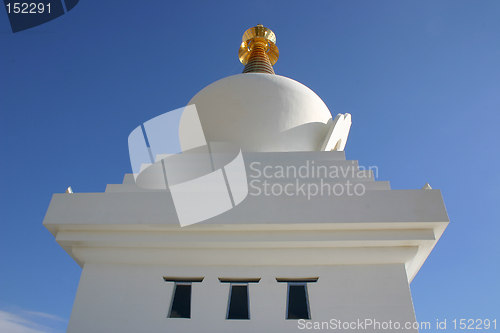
420,78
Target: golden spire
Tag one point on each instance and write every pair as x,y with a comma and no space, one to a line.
258,51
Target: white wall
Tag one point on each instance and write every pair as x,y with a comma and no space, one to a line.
135,298
365,250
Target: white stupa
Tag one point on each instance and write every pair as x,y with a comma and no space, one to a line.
262,112
315,240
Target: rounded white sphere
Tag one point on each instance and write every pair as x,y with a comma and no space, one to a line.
262,112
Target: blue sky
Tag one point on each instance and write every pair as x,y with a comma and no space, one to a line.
420,78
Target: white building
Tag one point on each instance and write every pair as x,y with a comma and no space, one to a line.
314,242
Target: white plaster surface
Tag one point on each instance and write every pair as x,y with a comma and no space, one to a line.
262,112
364,249
135,298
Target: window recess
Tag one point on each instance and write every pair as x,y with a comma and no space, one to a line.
180,305
238,305
297,304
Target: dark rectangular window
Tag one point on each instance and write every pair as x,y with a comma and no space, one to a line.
238,305
298,303
238,302
181,301
180,304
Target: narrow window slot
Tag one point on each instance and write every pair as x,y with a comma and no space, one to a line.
238,302
298,302
181,301
180,305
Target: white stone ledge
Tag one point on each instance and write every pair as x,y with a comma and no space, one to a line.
246,257
157,208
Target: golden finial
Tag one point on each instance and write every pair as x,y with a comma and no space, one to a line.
258,51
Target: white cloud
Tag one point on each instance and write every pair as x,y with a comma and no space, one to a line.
22,323
45,315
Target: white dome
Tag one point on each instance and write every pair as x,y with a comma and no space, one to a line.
262,112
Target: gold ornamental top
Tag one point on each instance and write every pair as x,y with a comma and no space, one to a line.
258,50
